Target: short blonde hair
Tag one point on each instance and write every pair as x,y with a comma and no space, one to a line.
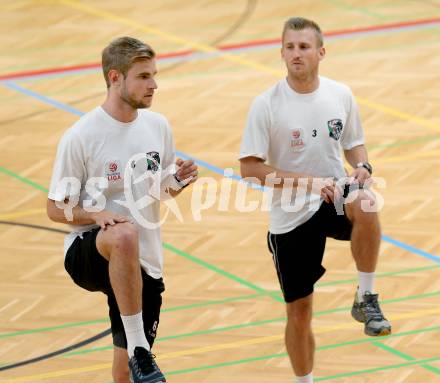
121,53
300,23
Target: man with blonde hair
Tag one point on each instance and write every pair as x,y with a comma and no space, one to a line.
292,141
112,168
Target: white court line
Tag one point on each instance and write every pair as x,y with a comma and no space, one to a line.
11,303
27,309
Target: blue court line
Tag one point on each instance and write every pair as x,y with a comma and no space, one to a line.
253,48
46,100
68,108
216,169
410,248
213,168
207,165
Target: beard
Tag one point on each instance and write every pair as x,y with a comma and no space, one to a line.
133,102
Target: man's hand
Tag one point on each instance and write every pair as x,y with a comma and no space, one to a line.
328,193
330,190
187,169
105,218
359,175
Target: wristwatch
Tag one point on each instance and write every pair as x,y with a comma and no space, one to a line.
365,165
180,183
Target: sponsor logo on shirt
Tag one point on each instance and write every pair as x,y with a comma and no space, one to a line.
113,170
335,128
297,139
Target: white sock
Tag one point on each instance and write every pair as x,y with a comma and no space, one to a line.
366,281
134,331
305,379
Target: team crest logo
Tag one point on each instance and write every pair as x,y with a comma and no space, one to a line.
335,128
153,161
113,170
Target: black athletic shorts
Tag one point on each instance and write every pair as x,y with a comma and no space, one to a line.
89,270
298,254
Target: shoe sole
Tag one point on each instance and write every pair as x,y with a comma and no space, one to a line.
359,318
382,332
130,377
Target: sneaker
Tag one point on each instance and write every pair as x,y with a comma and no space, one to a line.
143,368
369,312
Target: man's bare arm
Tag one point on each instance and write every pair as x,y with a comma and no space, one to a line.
270,176
83,217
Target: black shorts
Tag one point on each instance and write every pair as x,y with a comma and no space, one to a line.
298,254
89,270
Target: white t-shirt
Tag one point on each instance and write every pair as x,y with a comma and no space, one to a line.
118,153
301,133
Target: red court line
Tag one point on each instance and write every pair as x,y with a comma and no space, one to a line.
37,72
341,32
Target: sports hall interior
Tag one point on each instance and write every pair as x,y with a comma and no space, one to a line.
223,316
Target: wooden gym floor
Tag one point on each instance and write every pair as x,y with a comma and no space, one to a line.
223,318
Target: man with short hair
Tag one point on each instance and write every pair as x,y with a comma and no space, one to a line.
112,168
292,141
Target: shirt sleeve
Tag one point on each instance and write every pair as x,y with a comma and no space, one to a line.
169,153
255,141
69,171
168,165
352,134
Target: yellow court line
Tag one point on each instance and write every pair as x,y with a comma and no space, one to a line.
247,63
216,347
55,374
398,114
272,338
23,213
167,36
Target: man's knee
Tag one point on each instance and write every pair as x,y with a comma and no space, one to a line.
125,236
361,207
122,237
299,312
